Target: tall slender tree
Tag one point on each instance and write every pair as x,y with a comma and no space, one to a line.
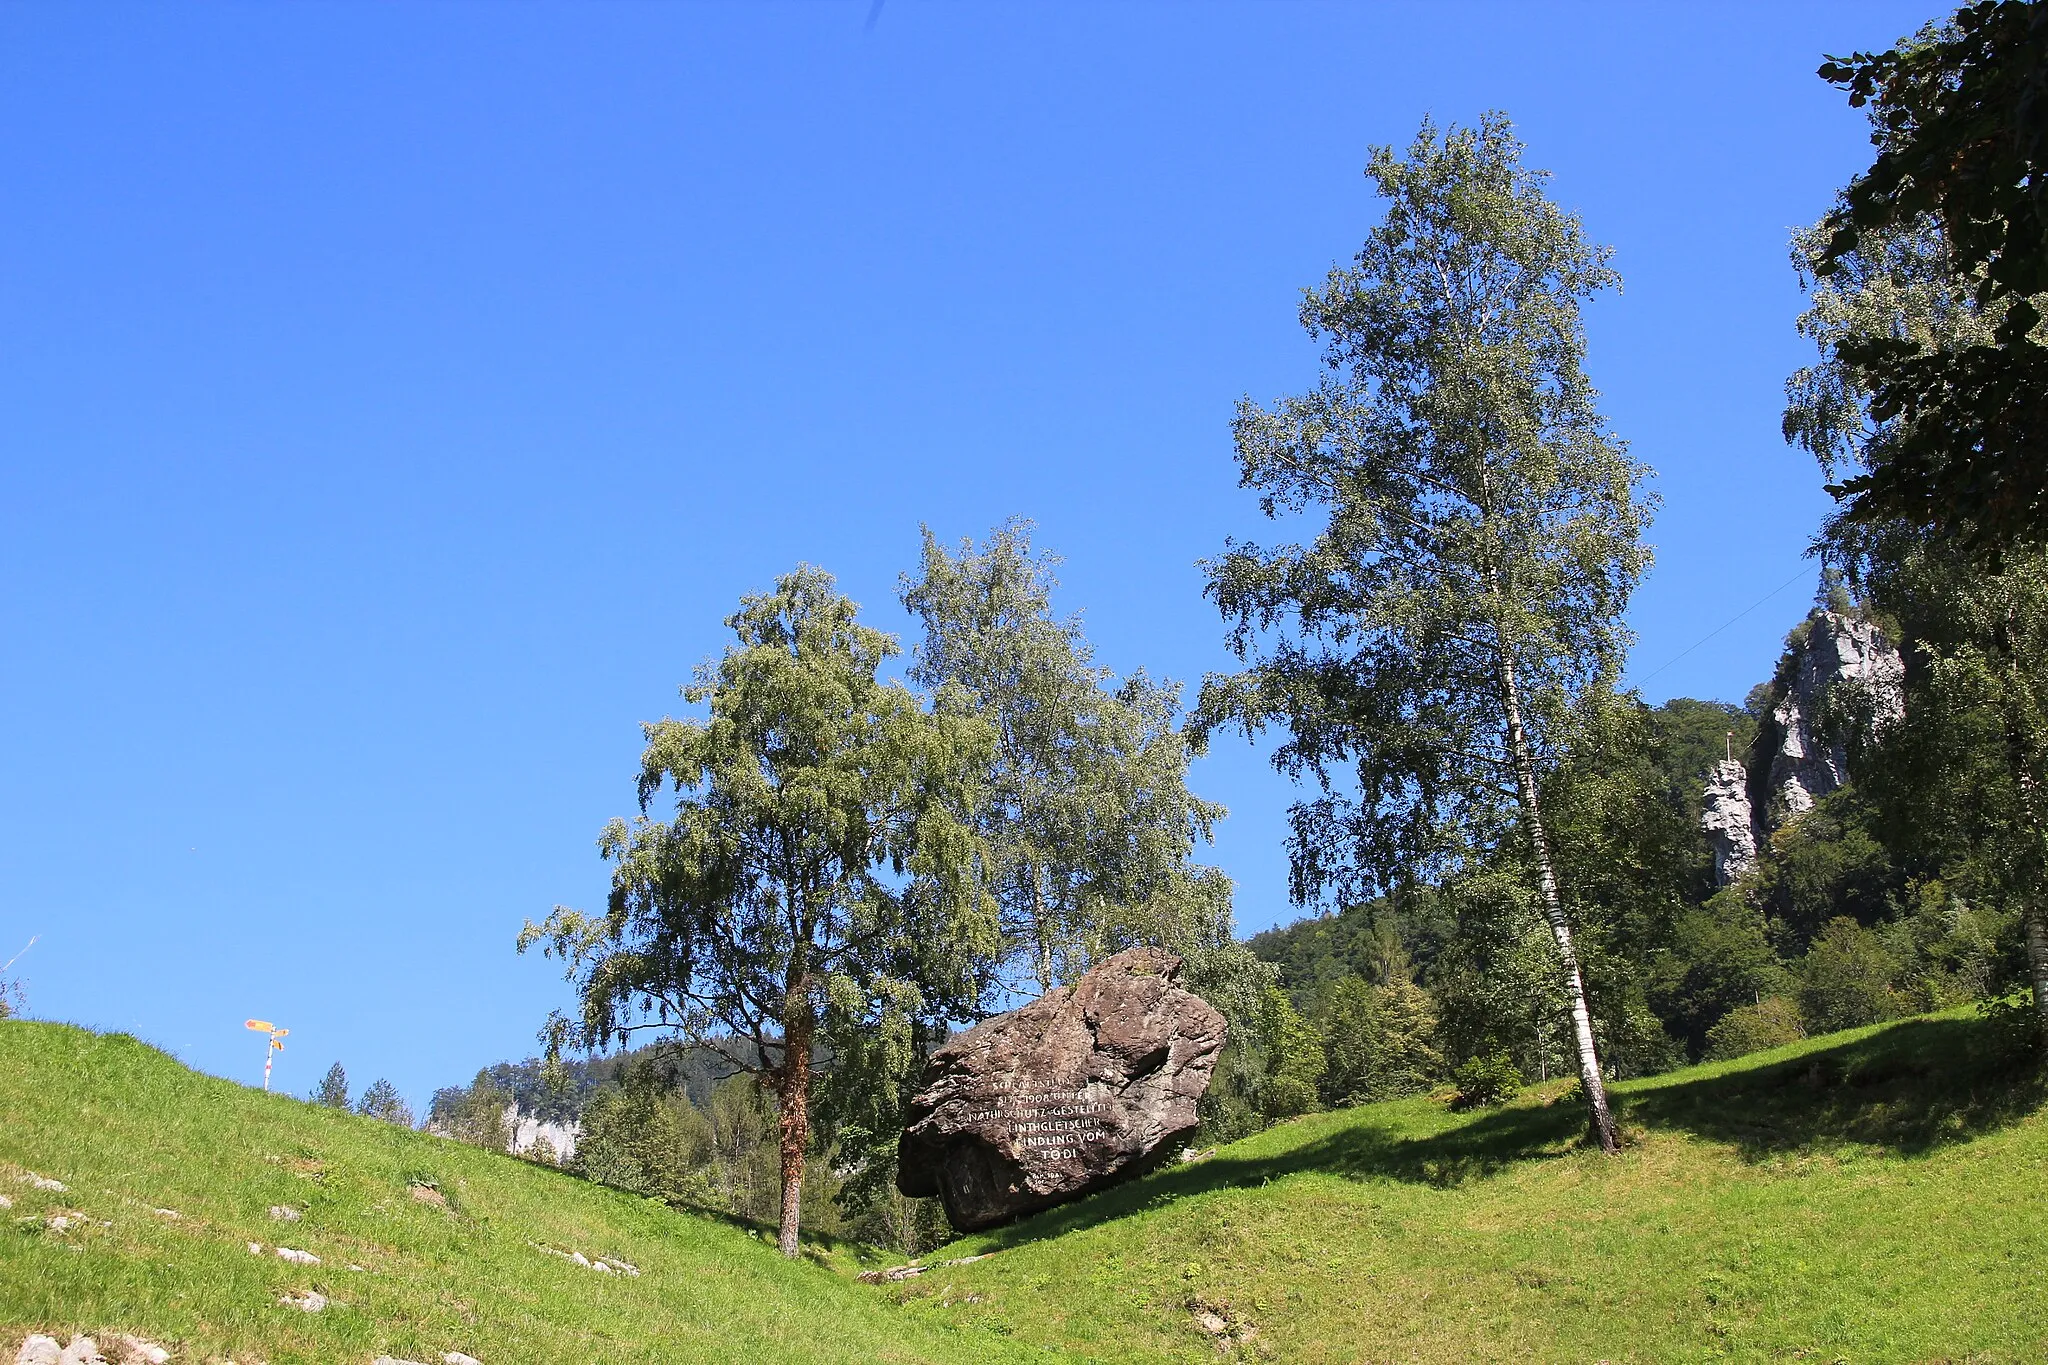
1087,820
818,877
1480,533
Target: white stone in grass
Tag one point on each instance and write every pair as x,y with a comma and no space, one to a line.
168,1213
5,1202
136,1351
392,1360
39,1182
297,1257
63,1222
255,1248
580,1259
458,1358
39,1350
601,1268
82,1351
311,1301
284,1213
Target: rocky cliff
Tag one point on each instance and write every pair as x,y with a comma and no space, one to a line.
1839,672
1729,821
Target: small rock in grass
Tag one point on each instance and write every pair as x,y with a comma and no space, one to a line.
39,1350
601,1268
37,1182
284,1213
5,1202
255,1248
311,1301
1212,1323
624,1267
358,1269
64,1222
136,1351
458,1358
392,1360
297,1257
168,1213
579,1258
82,1351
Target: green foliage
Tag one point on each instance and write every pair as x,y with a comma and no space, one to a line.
473,1113
1493,1079
1479,517
333,1088
1827,864
645,1137
1380,1041
383,1102
820,873
1772,1021
1271,1069
1961,156
1718,959
1481,534
1085,817
1845,979
1295,1061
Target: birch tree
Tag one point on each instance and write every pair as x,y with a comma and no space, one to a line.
1086,820
1477,536
817,882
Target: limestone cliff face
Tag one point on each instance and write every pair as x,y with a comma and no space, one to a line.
1843,668
1730,826
523,1130
1838,672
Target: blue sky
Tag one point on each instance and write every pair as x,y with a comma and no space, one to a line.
394,399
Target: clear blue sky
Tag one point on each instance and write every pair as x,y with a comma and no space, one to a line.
393,400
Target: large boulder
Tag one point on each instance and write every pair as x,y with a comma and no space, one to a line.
1083,1087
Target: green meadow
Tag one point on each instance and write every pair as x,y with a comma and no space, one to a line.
1866,1196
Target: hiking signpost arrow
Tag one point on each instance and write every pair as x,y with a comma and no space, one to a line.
265,1026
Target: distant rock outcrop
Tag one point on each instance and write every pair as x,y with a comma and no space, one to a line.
524,1132
1839,672
1080,1088
1841,665
1727,819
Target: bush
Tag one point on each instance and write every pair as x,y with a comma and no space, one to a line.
1771,1022
1492,1079
1845,979
1286,1097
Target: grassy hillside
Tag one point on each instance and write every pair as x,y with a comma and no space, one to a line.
1872,1196
445,1234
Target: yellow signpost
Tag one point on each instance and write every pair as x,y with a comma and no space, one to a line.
265,1026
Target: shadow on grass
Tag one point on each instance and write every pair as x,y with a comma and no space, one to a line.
1908,1089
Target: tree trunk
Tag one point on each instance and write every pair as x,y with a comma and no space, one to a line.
794,1098
1602,1119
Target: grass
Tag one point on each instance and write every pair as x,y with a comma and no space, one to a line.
130,1131
1870,1196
